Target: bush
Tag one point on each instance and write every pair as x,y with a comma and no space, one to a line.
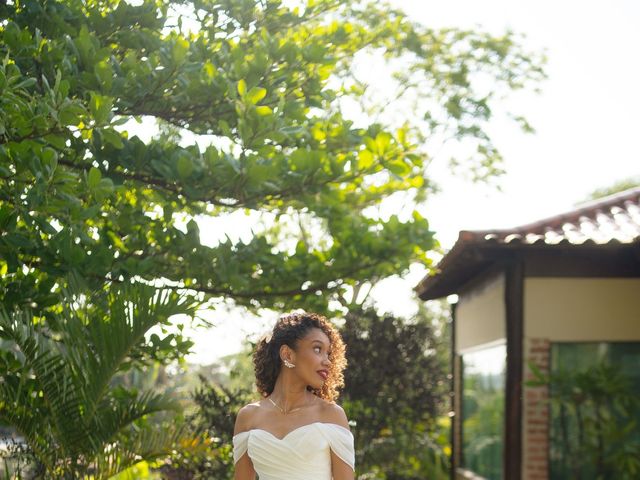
209,454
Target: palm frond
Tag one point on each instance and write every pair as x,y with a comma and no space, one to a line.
53,382
144,444
61,399
133,310
115,415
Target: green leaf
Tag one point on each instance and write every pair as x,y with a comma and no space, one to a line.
185,167
242,88
401,135
299,159
104,189
224,127
100,107
50,158
365,159
264,110
209,70
314,53
85,46
212,155
258,174
180,50
399,168
12,35
70,114
58,141
104,73
27,83
106,184
112,137
256,94
94,177
233,162
383,139
415,159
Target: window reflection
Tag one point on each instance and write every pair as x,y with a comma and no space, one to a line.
594,431
483,374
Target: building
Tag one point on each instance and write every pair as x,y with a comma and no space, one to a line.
558,295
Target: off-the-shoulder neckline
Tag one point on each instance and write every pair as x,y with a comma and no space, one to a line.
294,430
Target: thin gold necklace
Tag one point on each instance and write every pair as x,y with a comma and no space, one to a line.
292,410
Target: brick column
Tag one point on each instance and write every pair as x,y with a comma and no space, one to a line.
535,421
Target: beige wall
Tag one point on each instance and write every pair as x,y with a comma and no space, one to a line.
582,309
480,314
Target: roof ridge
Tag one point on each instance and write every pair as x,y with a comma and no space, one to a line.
588,209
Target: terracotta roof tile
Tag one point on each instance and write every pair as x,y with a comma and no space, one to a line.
613,220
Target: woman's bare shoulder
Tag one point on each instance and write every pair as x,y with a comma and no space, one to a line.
246,417
333,413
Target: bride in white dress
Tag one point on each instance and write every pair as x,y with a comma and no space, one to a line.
296,431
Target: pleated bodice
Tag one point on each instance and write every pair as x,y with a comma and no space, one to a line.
302,454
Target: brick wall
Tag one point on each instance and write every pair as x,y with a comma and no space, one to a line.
535,420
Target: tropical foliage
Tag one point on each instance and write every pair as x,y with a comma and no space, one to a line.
210,453
395,392
56,387
395,397
245,99
594,427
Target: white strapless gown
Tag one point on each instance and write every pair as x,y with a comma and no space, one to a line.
303,454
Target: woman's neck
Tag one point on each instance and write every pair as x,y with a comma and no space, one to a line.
288,393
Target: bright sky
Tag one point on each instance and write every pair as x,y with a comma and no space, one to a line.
586,122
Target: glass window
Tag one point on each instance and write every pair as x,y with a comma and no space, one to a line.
483,374
595,410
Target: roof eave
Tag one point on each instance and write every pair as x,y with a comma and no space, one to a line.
470,257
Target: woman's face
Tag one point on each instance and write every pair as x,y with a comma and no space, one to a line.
312,358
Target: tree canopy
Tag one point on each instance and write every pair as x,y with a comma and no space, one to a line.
262,83
247,102
395,393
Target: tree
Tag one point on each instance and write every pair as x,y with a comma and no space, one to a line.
261,86
264,83
395,384
619,186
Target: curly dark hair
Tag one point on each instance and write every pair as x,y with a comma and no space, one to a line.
287,331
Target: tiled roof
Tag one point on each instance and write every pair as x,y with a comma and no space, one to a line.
614,218
609,221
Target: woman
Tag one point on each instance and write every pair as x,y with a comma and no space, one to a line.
296,431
